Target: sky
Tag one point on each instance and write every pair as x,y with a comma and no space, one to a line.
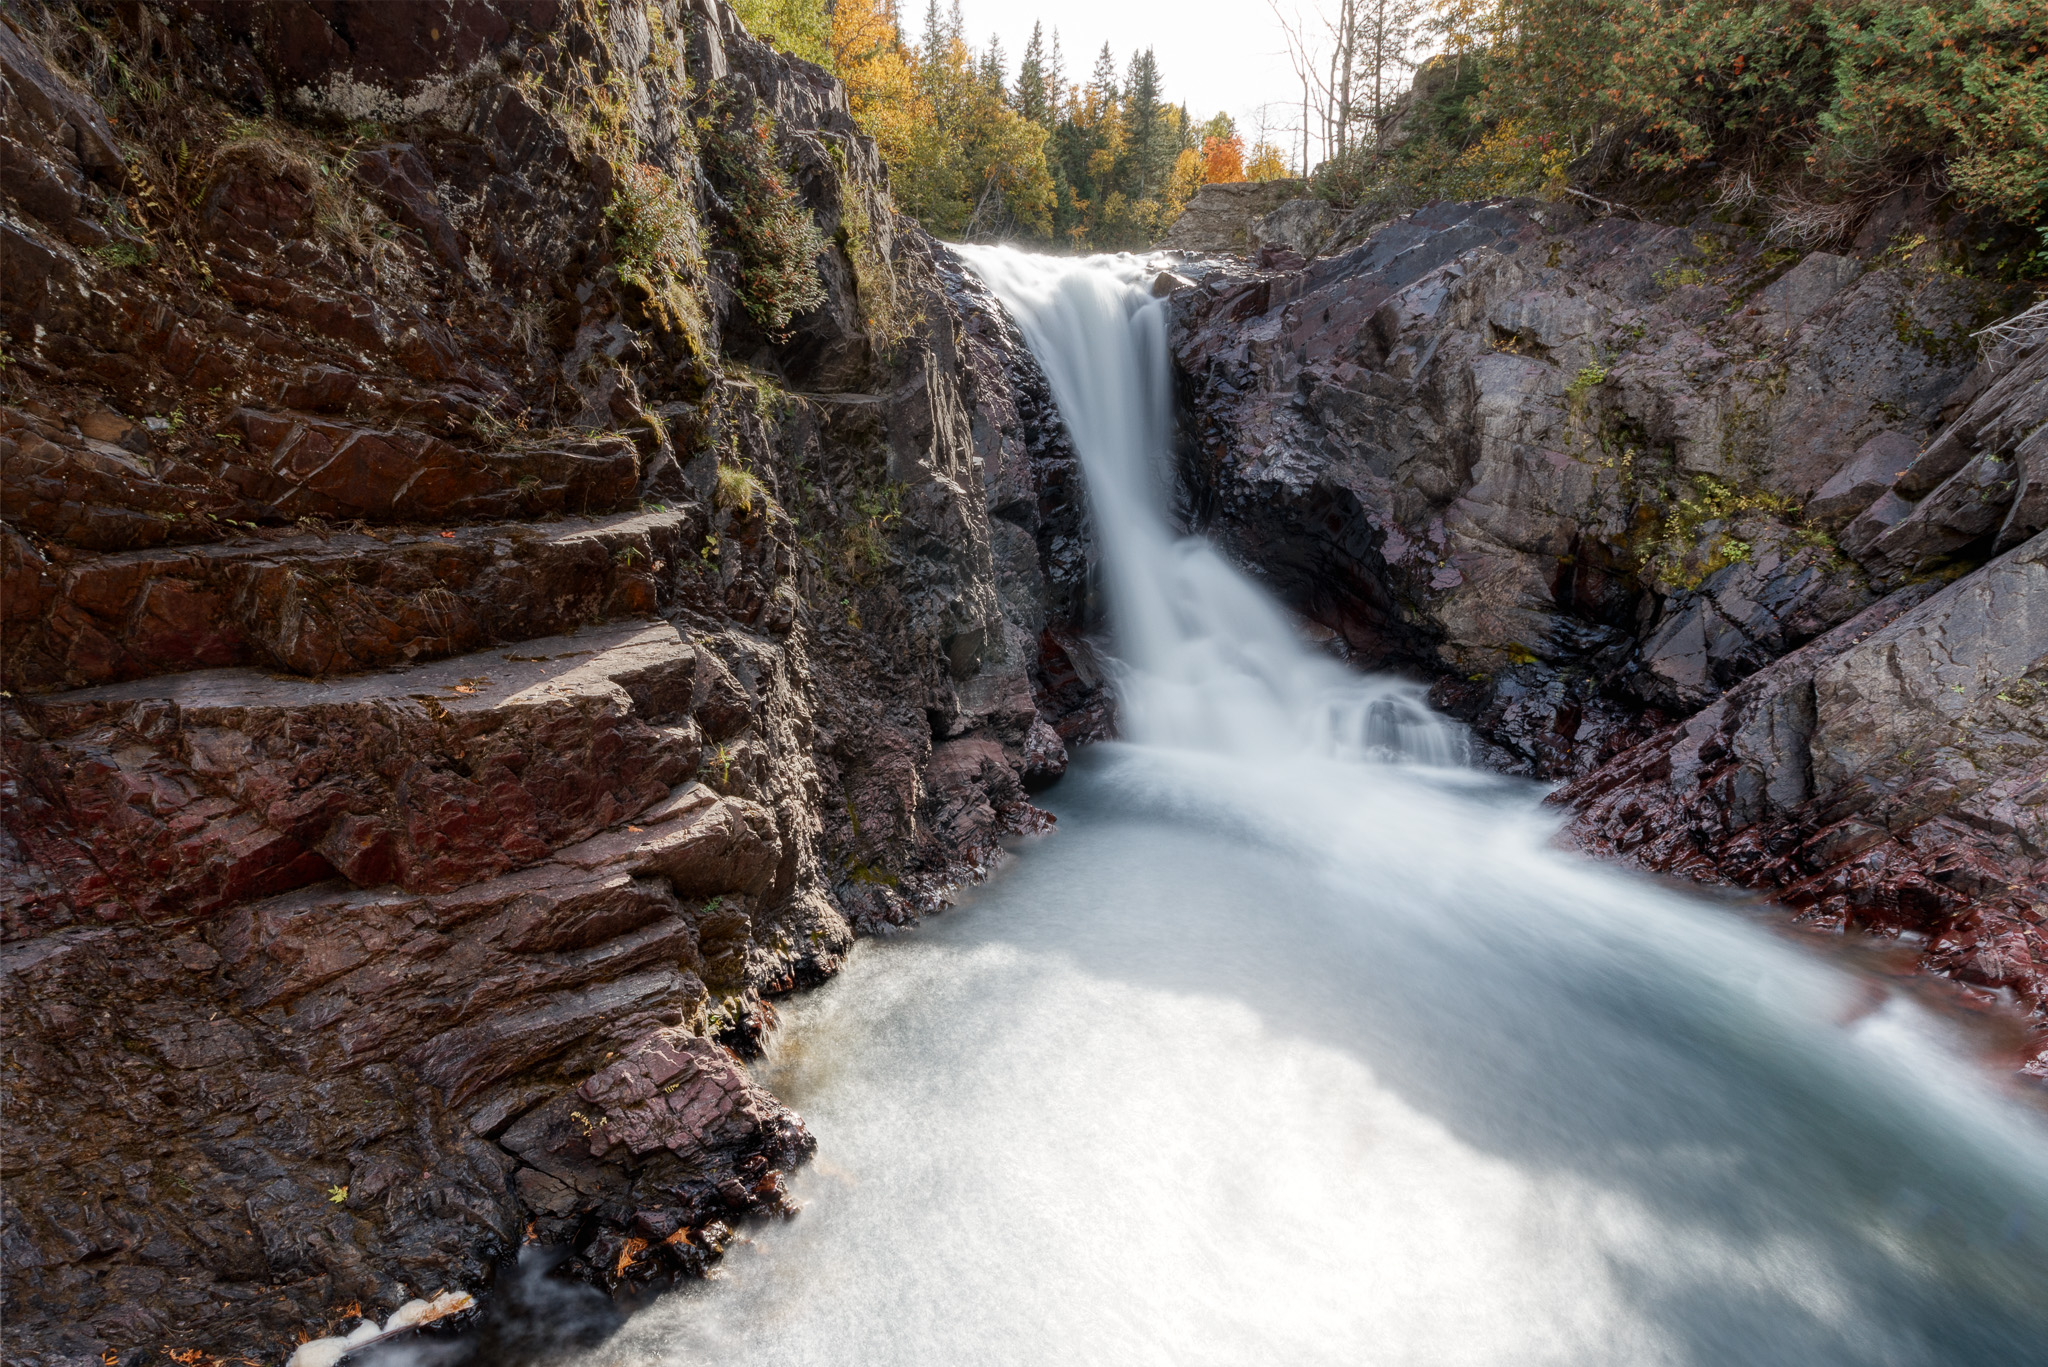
1226,55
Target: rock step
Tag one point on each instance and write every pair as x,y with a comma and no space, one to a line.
605,939
325,604
281,466
185,794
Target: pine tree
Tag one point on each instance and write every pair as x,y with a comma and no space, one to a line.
1056,83
1031,99
1103,83
1152,143
994,65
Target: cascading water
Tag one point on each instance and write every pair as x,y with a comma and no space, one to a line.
1209,661
1273,1056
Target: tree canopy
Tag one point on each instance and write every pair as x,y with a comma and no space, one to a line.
974,155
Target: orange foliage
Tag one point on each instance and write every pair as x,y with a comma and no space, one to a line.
1223,160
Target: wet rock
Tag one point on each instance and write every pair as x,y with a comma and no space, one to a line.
1741,617
1892,775
209,786
331,603
1798,294
1646,503
1984,479
1869,474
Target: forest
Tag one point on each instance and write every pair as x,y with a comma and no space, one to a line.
1801,113
1101,163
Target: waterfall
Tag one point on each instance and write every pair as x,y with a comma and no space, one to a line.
1208,661
1270,1055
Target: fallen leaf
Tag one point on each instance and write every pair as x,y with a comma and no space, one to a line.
627,1254
449,535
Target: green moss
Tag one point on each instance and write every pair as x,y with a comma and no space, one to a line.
867,546
880,294
1691,540
1678,277
125,252
1583,382
655,251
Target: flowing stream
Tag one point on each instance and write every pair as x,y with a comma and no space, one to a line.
1298,1043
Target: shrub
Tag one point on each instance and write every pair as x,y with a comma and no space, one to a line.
654,237
881,297
802,28
765,222
738,488
1855,94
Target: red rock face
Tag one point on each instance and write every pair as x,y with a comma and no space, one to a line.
1891,777
413,751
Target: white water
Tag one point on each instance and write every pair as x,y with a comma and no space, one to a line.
1278,1052
1209,661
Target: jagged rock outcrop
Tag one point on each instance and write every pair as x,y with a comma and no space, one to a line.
1594,475
1219,218
1891,775
481,619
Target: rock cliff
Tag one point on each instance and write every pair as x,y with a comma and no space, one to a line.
1746,544
513,555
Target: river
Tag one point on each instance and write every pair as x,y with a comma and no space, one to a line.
1300,1042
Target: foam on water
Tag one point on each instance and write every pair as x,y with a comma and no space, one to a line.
1282,1052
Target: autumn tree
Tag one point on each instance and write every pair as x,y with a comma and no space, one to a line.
972,154
1267,163
1223,160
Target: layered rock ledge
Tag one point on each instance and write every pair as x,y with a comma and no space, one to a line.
467,648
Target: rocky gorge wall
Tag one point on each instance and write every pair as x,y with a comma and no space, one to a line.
491,600
1745,546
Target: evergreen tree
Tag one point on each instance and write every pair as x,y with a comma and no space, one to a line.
1105,165
1032,98
994,65
1102,84
1055,83
1149,150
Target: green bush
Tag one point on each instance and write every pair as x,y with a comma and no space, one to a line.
1859,93
802,28
766,222
654,240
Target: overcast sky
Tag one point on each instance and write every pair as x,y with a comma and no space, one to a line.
1213,54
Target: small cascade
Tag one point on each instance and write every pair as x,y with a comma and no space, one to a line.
1209,661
